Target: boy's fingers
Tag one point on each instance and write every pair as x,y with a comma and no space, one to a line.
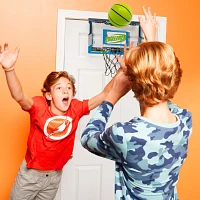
17,50
154,16
131,45
149,12
117,57
6,46
124,49
146,14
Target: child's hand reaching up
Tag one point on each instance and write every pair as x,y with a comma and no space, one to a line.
8,59
148,24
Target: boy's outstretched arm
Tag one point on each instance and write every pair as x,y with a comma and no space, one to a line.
7,61
97,100
115,89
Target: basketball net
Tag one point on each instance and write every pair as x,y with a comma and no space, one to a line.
111,62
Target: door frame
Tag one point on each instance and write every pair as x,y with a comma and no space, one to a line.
84,15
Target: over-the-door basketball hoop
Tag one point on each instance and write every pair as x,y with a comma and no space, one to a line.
105,39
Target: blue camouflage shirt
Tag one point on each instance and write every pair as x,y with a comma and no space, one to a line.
148,155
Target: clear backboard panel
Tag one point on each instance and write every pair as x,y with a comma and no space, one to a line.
103,36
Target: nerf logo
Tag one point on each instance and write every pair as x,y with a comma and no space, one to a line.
115,38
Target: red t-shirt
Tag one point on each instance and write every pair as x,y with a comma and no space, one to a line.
51,139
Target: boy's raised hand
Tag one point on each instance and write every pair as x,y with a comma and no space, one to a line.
121,60
8,59
148,24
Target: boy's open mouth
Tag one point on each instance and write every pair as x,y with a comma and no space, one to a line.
65,100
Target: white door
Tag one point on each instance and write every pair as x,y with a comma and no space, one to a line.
86,176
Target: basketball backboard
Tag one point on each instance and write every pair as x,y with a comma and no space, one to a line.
102,35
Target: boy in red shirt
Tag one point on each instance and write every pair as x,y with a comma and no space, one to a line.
54,119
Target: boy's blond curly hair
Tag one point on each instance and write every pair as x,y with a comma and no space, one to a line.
154,72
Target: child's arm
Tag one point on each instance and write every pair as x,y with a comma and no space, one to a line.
117,87
97,100
108,143
7,61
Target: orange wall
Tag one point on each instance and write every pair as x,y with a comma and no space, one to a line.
32,25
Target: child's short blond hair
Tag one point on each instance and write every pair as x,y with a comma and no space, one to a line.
154,72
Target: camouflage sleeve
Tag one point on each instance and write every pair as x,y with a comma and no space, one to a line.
172,106
175,108
184,115
99,141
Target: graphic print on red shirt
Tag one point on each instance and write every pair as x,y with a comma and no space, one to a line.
58,127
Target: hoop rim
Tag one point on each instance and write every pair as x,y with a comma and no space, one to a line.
112,50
